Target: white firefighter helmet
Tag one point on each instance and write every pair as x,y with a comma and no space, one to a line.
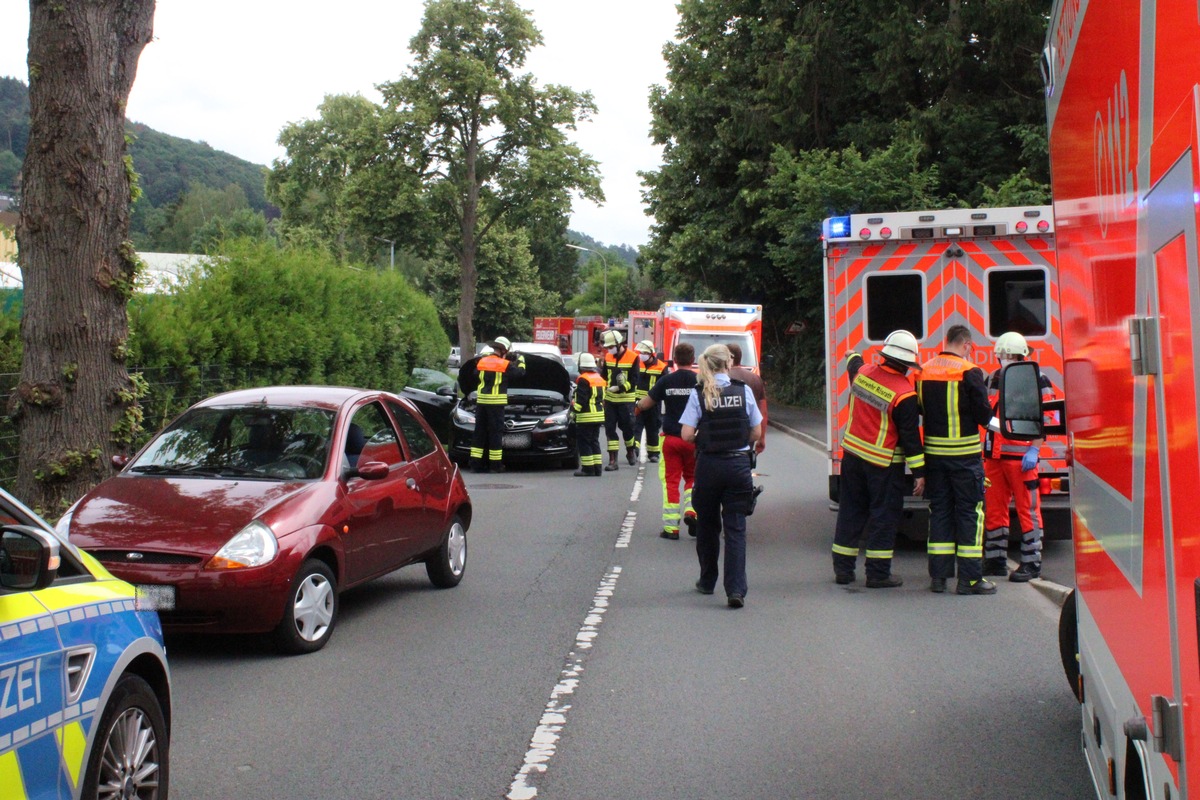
501,342
587,361
646,346
902,346
611,338
486,351
1010,345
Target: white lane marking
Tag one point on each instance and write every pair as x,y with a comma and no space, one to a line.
544,743
637,484
626,534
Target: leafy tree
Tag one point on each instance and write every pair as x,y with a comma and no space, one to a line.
483,139
202,209
75,401
762,94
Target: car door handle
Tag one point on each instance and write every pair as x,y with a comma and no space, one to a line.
411,483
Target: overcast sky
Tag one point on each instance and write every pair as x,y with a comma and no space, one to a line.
234,73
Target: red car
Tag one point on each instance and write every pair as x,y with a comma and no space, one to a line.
254,509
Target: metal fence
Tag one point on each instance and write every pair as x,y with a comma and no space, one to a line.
170,392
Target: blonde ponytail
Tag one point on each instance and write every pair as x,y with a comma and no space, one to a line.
714,359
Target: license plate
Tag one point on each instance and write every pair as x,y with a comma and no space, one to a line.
517,441
155,597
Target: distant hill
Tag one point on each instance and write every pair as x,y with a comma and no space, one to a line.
167,164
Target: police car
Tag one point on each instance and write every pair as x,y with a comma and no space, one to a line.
85,694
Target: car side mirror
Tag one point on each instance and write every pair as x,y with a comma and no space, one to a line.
29,558
119,461
371,470
446,391
1020,408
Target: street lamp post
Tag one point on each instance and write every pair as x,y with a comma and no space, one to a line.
392,252
603,263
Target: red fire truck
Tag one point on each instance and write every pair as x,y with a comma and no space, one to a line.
991,269
1123,107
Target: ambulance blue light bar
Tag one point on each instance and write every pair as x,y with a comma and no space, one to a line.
839,228
727,309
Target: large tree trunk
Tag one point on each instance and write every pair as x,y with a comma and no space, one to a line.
75,402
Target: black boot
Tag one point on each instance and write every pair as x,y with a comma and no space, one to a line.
582,472
630,455
612,462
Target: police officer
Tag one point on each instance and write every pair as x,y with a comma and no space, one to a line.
589,415
649,419
678,457
1011,470
954,401
723,420
882,435
620,372
491,396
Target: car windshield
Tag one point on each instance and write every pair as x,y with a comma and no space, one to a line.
255,441
700,341
430,380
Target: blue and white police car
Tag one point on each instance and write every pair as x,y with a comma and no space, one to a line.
85,693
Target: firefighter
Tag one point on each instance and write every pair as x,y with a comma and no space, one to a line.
648,419
1011,470
491,396
589,415
678,457
882,435
954,402
723,421
620,372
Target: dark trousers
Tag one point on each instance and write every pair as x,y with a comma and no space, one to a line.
587,439
618,416
487,443
722,489
650,422
954,488
870,506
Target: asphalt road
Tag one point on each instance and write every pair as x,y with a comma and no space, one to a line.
576,661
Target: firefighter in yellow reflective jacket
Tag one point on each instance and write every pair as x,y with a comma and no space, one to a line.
882,435
589,416
620,371
954,402
491,396
649,420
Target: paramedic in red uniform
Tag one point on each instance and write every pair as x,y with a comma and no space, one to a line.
678,457
1011,470
954,403
882,435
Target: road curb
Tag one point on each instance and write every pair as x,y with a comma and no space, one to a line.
797,434
1055,591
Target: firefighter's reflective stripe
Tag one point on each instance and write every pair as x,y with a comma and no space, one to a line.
947,371
649,376
44,732
871,434
589,403
492,388
628,362
842,550
880,553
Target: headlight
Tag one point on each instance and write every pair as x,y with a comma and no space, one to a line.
253,546
463,416
553,420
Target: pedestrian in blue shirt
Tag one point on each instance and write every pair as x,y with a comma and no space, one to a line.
723,420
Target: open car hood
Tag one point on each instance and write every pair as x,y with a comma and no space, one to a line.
540,373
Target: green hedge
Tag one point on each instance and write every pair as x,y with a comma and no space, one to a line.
258,315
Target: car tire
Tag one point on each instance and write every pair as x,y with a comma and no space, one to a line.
448,564
132,749
311,611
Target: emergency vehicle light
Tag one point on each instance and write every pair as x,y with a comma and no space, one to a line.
885,233
985,230
839,226
1022,226
865,233
952,231
1043,225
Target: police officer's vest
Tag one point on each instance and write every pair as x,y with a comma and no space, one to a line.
493,383
949,428
589,398
727,427
871,433
648,376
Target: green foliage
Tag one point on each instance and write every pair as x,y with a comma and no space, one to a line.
259,315
778,114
